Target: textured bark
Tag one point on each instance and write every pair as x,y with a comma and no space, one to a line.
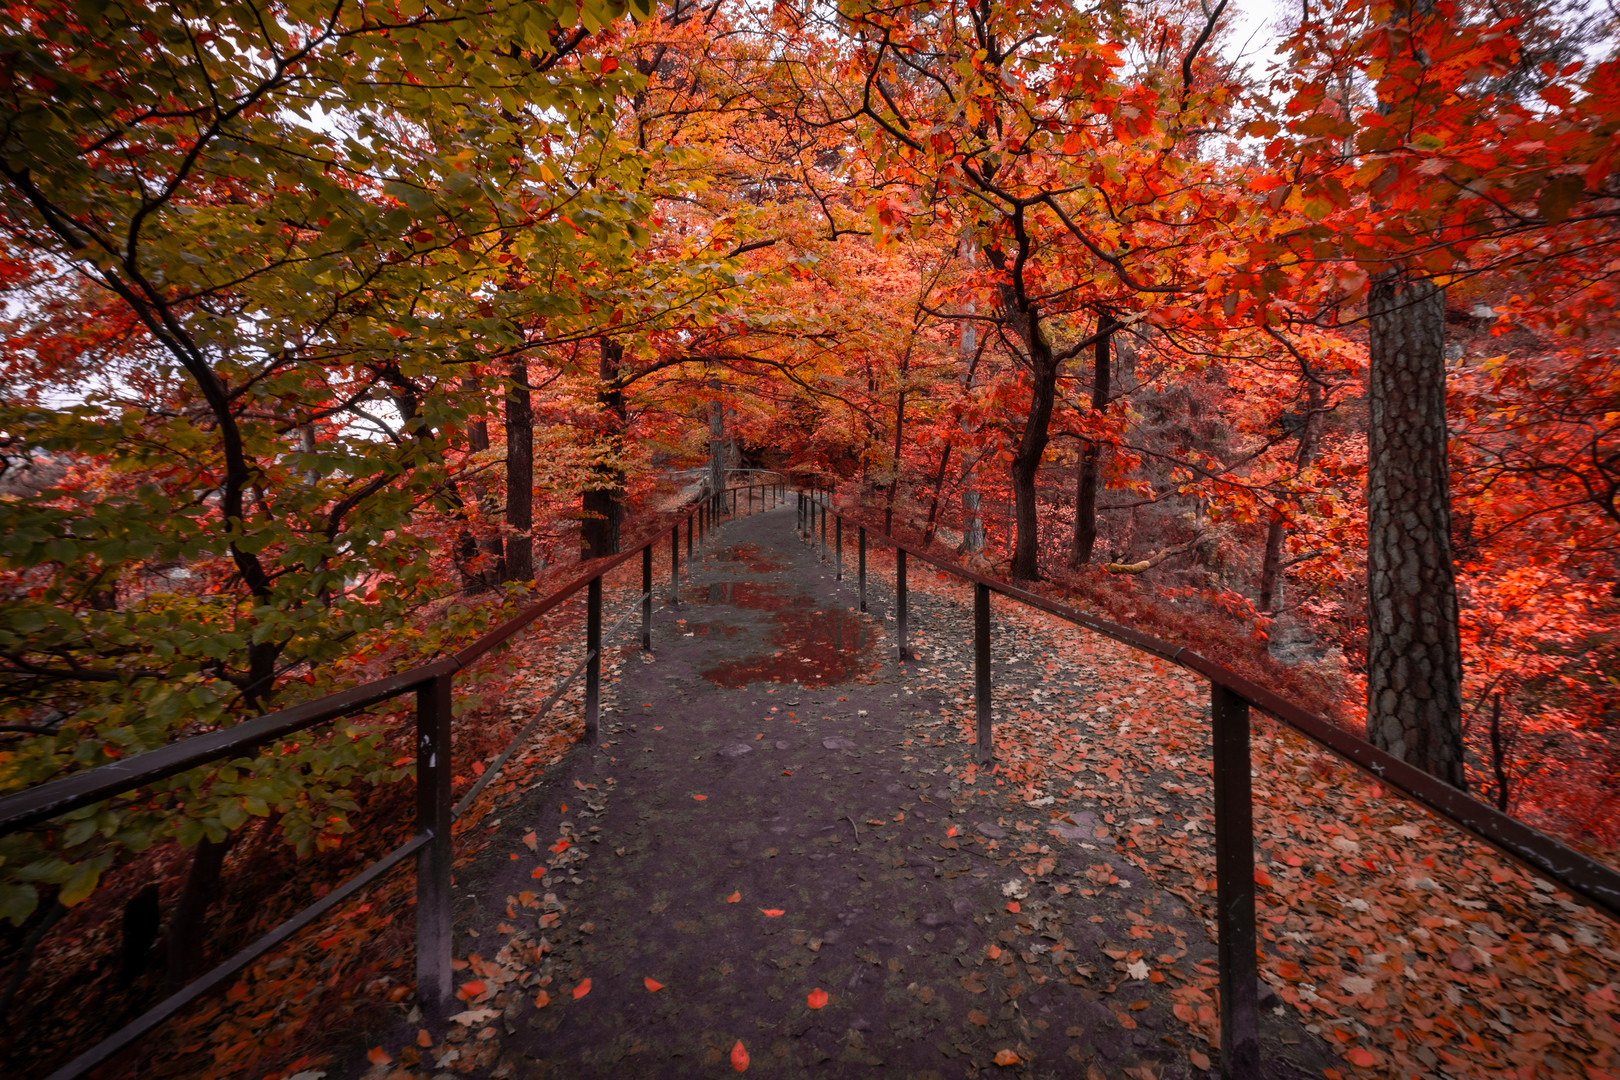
603,502
1414,655
519,476
1085,496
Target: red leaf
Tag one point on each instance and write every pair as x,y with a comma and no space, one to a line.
582,989
739,1057
817,998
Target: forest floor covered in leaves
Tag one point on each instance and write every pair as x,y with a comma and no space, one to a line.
783,858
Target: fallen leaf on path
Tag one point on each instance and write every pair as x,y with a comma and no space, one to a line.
582,989
1007,1057
473,1016
542,999
772,912
423,1039
531,841
700,798
739,1057
817,998
378,1056
734,897
1199,1059
652,984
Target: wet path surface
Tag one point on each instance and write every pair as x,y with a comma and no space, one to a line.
779,810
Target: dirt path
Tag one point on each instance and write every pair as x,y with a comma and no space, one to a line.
780,812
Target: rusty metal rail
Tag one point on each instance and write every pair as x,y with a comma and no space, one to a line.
1231,697
431,843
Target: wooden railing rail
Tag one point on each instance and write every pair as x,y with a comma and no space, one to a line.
432,684
1231,696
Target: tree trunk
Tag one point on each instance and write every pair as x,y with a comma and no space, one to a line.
1026,464
1271,567
717,440
939,491
972,524
519,475
603,501
489,540
899,429
1085,498
1414,654
188,926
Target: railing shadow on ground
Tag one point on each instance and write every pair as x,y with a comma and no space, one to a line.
1231,697
431,843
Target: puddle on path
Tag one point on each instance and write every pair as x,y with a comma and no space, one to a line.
754,595
753,556
810,646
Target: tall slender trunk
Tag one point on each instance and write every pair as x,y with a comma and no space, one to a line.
1414,652
1026,463
717,439
1085,499
1271,567
973,538
939,490
488,539
519,475
188,926
899,430
603,501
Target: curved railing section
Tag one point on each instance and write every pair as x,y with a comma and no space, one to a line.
1231,696
432,685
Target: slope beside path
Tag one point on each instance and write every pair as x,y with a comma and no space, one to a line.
781,858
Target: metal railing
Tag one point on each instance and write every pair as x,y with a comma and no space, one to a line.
1231,697
431,845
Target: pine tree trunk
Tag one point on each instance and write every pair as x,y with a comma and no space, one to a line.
519,476
1414,654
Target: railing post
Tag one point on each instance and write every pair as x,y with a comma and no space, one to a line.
646,597
823,530
434,985
1234,887
798,513
862,545
981,672
593,661
838,537
900,603
675,564
690,519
